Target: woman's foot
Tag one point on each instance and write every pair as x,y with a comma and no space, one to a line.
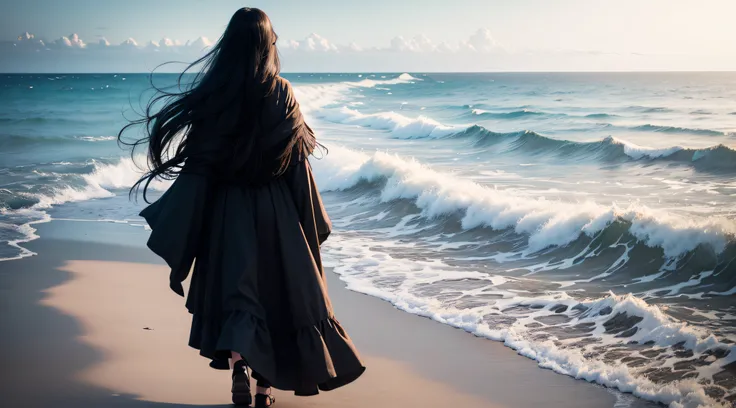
263,397
241,384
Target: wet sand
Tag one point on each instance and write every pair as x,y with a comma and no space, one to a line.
90,322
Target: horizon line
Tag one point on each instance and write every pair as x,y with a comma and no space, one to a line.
388,72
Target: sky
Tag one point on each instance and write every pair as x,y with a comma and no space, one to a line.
378,35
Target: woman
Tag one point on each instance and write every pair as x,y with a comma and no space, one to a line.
245,212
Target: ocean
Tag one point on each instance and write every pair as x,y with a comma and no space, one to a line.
586,220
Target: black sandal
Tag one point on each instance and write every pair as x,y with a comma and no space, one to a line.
264,400
241,384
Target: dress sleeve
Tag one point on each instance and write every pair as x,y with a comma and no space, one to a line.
176,221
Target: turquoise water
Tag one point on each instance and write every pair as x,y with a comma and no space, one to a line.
586,220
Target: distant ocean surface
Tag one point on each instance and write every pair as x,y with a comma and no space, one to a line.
586,220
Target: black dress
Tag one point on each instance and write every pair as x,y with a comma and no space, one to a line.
258,286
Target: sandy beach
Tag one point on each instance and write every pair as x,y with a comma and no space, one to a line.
90,322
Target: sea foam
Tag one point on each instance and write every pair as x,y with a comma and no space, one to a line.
105,181
364,267
546,223
315,96
400,126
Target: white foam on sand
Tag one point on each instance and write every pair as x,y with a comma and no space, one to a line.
27,232
100,183
367,269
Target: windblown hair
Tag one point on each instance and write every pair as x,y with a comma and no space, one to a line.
227,93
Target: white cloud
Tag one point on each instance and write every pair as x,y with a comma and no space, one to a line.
26,37
482,41
480,51
444,47
354,47
28,53
288,44
168,42
129,43
420,43
200,43
72,41
29,41
313,42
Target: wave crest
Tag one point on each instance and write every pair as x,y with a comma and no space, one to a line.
717,158
545,223
677,129
400,126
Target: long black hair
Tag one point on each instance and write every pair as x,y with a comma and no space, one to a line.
234,77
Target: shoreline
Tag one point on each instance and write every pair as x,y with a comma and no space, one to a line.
74,318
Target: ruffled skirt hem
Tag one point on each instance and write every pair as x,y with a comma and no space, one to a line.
314,358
